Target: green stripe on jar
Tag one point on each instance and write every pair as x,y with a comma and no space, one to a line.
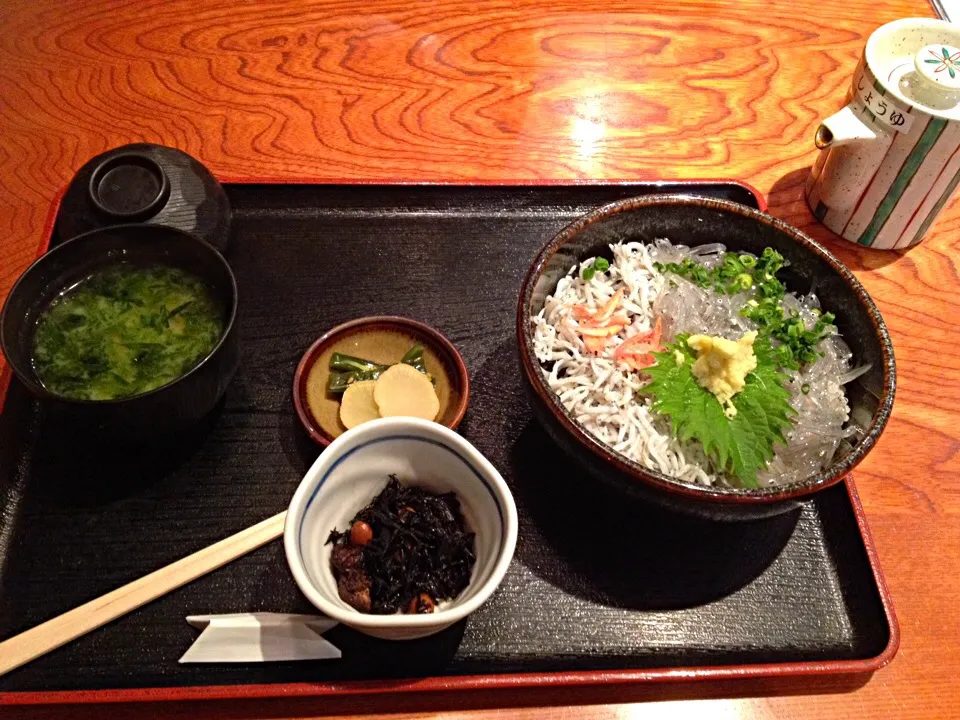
936,209
931,134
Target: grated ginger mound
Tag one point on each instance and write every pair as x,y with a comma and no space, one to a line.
722,365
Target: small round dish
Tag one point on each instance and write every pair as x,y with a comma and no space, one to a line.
347,476
383,339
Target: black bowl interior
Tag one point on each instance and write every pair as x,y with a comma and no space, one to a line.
698,221
71,262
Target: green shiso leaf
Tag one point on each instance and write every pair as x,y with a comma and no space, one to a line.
739,446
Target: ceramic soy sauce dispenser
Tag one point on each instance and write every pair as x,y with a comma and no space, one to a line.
890,159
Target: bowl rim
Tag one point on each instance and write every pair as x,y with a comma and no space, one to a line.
639,473
40,391
331,456
309,358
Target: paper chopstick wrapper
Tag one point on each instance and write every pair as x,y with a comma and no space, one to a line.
260,637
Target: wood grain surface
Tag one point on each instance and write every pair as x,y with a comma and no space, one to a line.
499,91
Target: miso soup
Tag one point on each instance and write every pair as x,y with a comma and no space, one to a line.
124,331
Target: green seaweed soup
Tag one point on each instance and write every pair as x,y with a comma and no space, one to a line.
125,331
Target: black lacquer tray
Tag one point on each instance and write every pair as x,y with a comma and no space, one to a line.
600,590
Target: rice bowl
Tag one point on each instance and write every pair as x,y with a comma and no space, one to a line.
696,223
607,397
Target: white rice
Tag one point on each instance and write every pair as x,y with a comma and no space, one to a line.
606,398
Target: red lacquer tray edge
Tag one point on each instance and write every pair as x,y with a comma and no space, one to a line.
47,235
482,682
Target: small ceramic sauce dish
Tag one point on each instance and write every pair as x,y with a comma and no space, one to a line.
383,340
353,470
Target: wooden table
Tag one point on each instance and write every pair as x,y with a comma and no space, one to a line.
396,90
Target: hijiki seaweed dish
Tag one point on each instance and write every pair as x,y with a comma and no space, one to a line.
406,551
698,363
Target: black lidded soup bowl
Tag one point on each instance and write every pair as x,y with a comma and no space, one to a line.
170,408
697,221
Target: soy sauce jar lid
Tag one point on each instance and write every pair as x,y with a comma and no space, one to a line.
917,60
939,64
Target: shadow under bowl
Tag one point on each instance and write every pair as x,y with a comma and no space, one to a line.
695,221
454,396
178,405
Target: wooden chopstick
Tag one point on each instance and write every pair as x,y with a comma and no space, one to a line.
39,640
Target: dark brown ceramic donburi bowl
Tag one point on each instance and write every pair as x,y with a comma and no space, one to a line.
698,221
453,405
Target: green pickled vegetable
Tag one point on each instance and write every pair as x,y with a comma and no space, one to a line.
350,369
414,358
125,331
349,363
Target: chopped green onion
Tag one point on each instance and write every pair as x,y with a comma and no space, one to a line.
598,265
795,344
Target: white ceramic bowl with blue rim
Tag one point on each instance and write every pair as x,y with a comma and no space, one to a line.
353,469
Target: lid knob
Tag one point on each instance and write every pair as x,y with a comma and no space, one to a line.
129,186
939,64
